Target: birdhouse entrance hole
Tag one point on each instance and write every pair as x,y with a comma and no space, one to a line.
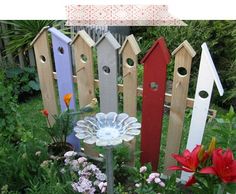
130,62
61,50
182,71
203,94
83,58
153,86
43,59
106,69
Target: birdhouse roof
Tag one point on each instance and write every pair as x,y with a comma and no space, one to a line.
134,45
207,54
187,46
108,36
59,35
39,34
83,34
164,49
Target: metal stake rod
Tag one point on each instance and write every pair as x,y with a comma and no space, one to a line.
109,170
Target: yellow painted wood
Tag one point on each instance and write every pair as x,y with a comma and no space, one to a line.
45,73
183,59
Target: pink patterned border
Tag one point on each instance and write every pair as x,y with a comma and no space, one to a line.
120,15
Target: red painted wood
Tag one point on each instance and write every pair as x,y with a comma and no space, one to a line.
155,62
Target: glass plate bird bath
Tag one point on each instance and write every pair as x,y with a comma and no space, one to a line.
107,130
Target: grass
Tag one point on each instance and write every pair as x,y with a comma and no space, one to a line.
32,118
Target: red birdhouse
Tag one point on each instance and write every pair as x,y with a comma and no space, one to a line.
154,85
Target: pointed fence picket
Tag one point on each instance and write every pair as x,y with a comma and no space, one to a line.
107,50
153,91
129,52
154,85
183,60
206,78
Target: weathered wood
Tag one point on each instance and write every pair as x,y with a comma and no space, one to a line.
31,57
183,60
154,85
107,48
44,67
206,77
6,41
129,51
63,64
21,58
82,45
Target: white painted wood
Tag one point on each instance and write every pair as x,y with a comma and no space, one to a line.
206,77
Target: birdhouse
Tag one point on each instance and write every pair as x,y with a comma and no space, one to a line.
45,72
183,60
63,64
107,56
155,63
129,52
82,45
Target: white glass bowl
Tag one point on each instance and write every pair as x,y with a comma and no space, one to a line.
107,129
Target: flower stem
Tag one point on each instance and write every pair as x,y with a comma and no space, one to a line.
221,189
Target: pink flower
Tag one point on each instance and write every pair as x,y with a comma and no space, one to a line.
82,160
143,169
162,184
152,176
70,154
102,186
157,180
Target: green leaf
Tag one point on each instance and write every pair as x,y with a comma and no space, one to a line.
13,72
34,85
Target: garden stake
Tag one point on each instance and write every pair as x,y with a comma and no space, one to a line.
109,170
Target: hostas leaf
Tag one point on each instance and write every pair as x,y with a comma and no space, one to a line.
34,85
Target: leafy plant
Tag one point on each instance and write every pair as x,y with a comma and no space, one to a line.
22,32
25,81
10,125
225,130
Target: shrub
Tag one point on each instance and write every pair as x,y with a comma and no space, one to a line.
25,81
10,126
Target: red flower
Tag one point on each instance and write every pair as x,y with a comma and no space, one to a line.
191,181
45,112
189,160
224,166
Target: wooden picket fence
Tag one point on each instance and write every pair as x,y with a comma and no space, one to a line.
108,50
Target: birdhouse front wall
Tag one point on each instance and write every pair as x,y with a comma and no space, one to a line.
84,71
107,71
153,105
63,64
